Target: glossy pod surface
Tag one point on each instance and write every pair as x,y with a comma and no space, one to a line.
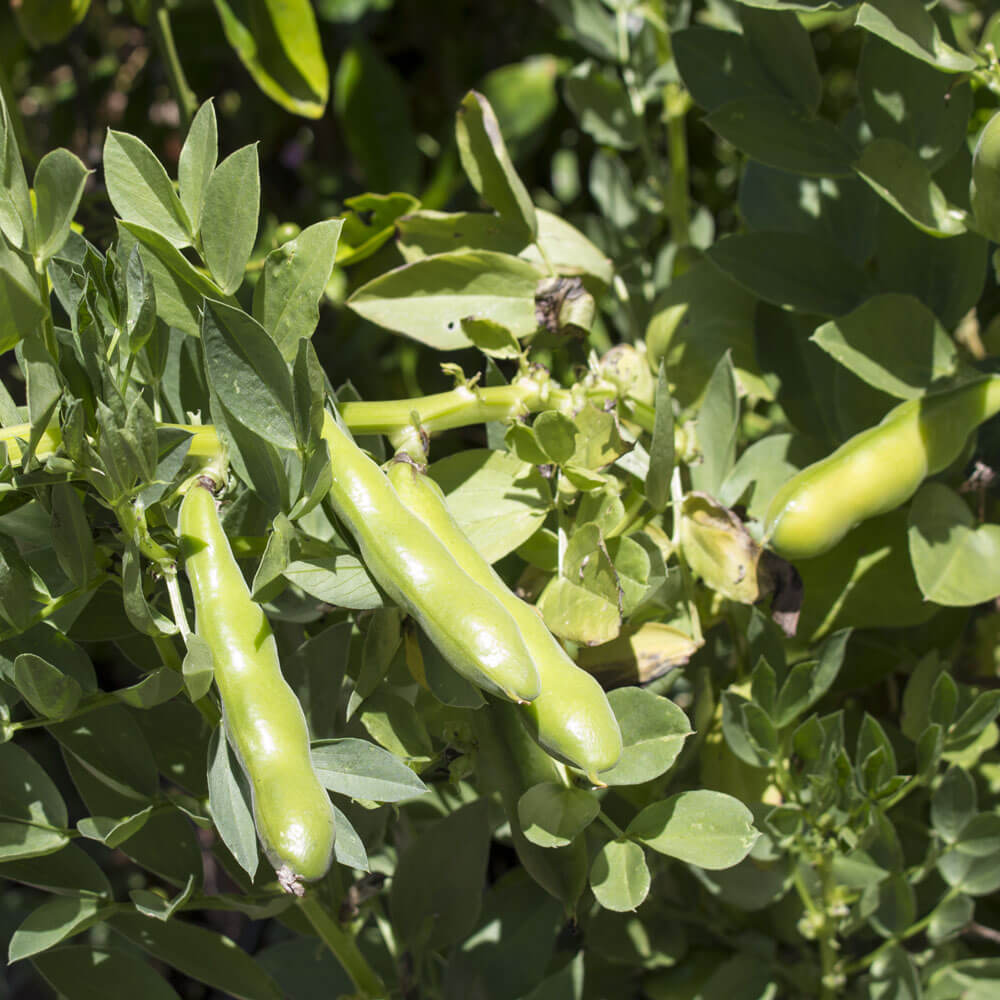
571,718
469,626
263,718
876,470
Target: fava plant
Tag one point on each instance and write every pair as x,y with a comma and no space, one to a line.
656,658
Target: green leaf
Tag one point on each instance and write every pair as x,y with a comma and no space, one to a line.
141,613
349,849
86,973
51,923
48,690
910,27
578,614
34,814
229,217
302,970
866,581
555,433
948,276
523,95
69,871
956,563
653,733
151,904
198,158
394,722
554,815
198,667
566,249
154,689
796,73
792,270
620,876
841,211
229,801
950,919
782,134
428,299
898,175
140,189
71,535
953,804
598,99
488,165
340,580
590,25
110,746
436,891
371,223
246,371
278,42
695,321
287,296
48,22
719,66
59,183
425,233
893,342
372,106
913,102
17,590
361,770
17,222
703,828
808,681
111,831
140,302
197,952
717,428
661,449
21,308
180,287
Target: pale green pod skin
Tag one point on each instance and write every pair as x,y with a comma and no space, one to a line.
877,470
263,718
571,718
469,626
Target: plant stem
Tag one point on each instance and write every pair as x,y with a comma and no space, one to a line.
187,101
612,826
827,936
461,407
343,947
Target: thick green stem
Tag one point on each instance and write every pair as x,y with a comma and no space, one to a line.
344,948
461,407
187,101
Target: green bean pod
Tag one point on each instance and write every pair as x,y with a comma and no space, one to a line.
571,717
510,762
876,470
263,718
469,626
